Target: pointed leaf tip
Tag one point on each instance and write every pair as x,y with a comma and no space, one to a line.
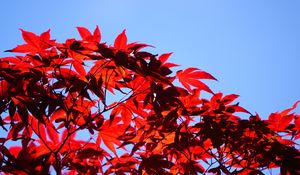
192,76
31,38
164,57
97,34
84,32
121,40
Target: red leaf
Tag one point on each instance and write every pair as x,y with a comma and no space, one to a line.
196,73
14,131
229,98
124,112
86,35
84,32
79,68
52,133
109,133
240,109
67,132
121,41
190,77
285,112
285,121
34,42
15,150
169,65
58,114
285,141
97,35
39,128
45,41
136,46
45,36
164,57
278,122
31,38
65,73
23,48
22,112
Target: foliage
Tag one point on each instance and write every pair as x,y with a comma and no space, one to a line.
140,117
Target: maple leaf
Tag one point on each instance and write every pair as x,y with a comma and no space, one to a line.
280,120
34,42
136,46
164,57
86,35
109,132
190,77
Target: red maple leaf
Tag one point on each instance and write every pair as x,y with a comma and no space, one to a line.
191,77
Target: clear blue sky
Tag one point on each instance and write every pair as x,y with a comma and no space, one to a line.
251,47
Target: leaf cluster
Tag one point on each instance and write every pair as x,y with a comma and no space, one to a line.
141,118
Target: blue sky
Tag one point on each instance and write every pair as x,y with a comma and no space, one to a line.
251,47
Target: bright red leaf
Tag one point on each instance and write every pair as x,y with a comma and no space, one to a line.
121,41
191,77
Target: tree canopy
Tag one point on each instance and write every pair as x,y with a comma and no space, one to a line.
86,107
